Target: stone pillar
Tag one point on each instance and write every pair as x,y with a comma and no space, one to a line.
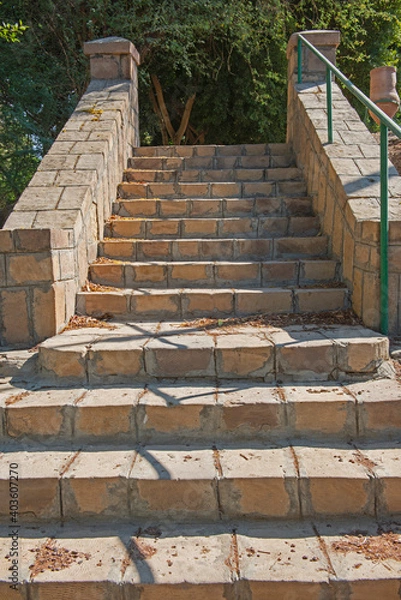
326,41
313,70
112,58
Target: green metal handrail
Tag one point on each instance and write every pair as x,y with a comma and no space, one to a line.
386,123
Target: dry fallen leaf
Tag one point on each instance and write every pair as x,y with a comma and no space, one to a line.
376,547
51,557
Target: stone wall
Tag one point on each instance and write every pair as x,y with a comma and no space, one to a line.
52,233
343,180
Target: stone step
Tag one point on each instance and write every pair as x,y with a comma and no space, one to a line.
235,207
212,227
238,248
253,161
213,150
235,559
212,175
190,303
161,413
174,350
286,480
223,189
173,274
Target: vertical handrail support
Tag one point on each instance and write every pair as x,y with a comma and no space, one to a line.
384,228
299,58
329,104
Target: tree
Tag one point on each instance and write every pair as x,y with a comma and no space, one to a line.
213,71
10,139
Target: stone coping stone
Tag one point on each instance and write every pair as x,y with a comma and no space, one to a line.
111,45
317,37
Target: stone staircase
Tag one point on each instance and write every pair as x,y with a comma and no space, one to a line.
214,436
213,232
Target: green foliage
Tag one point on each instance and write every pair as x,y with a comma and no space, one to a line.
18,158
11,32
230,52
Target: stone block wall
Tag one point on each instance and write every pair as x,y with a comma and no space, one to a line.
343,181
52,233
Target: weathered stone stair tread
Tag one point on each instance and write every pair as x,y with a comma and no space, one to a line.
219,274
169,350
239,248
200,482
226,189
214,150
201,207
141,175
255,161
156,561
212,227
188,303
195,411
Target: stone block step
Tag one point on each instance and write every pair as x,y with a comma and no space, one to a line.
235,207
254,161
222,189
150,175
175,350
233,559
238,248
211,227
190,303
286,480
212,175
213,150
173,274
161,413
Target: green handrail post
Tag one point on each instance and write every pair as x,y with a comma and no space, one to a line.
329,100
384,228
299,57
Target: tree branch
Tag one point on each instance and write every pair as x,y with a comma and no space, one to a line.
159,116
185,119
162,106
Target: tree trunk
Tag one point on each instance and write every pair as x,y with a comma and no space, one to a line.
160,108
185,119
159,116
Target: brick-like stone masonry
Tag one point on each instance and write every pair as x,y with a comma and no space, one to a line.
52,234
343,181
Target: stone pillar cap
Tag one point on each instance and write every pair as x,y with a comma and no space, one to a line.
112,45
317,37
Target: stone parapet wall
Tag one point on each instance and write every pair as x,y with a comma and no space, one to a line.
343,181
51,236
